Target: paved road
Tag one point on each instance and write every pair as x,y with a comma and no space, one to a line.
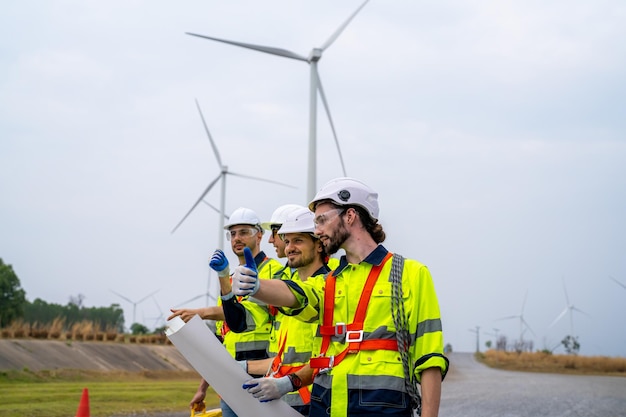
472,389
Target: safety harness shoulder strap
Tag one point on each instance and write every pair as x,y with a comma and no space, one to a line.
354,331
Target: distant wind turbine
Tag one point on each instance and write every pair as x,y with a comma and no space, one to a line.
221,177
522,323
315,86
134,303
569,308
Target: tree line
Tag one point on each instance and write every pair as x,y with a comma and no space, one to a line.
14,306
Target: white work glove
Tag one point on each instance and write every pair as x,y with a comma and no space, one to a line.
245,279
268,389
244,365
219,263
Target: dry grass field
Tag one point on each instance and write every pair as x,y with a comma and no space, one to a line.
546,362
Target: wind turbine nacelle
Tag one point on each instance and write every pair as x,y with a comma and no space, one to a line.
315,55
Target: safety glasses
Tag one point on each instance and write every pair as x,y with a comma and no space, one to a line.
244,233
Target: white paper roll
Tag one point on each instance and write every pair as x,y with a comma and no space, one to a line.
210,359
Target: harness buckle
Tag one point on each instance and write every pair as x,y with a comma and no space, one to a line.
340,329
331,363
354,336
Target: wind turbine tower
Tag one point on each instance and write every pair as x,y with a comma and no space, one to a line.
221,177
315,86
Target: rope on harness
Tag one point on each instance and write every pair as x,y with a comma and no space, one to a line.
402,331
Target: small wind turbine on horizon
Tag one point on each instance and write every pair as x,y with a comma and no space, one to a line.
224,171
522,323
569,308
135,303
315,86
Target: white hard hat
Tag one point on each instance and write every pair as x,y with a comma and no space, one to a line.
279,215
348,191
299,221
243,216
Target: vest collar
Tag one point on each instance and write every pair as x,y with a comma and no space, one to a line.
374,258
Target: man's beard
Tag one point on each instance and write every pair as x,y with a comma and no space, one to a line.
334,242
302,261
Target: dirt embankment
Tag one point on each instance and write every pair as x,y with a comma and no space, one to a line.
38,355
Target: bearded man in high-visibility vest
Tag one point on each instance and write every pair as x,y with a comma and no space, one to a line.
379,331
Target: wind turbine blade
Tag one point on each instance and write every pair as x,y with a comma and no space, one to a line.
204,193
618,283
508,318
206,129
152,293
261,179
120,295
528,327
214,208
559,317
267,49
524,302
191,299
330,119
565,291
580,311
335,35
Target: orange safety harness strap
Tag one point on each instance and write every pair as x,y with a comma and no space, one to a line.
354,331
277,370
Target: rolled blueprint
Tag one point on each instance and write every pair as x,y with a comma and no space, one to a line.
207,355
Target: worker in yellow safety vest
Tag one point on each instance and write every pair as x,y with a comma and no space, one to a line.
243,230
306,257
380,332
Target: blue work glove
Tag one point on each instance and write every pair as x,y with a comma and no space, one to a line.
245,280
268,389
219,263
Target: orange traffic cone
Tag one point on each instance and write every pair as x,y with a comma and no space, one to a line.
83,406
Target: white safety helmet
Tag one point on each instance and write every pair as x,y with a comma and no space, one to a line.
243,216
348,191
299,221
279,215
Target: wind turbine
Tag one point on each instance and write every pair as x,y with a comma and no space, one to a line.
134,303
618,283
222,178
569,308
522,322
315,86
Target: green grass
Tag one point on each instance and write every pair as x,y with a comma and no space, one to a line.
58,394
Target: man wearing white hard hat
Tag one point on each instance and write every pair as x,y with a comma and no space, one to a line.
276,220
306,258
380,330
243,230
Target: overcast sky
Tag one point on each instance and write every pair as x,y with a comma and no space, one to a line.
494,133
